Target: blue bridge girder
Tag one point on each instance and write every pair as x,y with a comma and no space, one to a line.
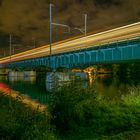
128,50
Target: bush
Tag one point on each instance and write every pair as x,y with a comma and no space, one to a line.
82,114
76,113
18,121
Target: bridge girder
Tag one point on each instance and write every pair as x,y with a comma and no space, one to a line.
109,53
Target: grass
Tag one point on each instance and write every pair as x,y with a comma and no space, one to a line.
19,122
74,114
84,115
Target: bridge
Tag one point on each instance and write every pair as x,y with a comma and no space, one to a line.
113,46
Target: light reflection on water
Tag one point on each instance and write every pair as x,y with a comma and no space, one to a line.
36,87
26,86
108,85
14,79
34,104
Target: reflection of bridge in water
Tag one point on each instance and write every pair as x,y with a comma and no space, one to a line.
14,76
55,80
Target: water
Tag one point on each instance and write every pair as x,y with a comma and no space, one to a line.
108,85
55,80
27,86
35,85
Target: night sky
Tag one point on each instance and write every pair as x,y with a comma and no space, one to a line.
28,20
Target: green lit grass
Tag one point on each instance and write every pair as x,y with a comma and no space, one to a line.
19,122
83,115
74,114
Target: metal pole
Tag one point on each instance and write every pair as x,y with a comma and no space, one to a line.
62,25
50,31
34,43
10,45
85,24
83,30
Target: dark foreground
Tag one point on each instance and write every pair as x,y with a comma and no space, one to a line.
74,114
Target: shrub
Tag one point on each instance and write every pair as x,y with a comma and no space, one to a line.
18,121
82,114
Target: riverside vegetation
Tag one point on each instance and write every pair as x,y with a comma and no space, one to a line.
74,113
19,122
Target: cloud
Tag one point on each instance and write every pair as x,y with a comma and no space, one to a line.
29,19
20,15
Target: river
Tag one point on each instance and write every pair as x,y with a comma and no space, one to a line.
36,86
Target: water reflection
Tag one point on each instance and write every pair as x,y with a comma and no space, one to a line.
26,84
3,78
24,98
55,80
26,76
25,79
35,86
109,85
4,87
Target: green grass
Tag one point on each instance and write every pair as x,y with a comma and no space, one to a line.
19,122
84,115
74,114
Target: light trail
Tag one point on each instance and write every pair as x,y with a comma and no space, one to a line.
117,34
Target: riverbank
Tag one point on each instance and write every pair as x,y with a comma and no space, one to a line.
20,122
85,115
7,91
74,114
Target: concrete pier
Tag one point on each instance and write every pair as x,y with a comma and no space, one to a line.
54,80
